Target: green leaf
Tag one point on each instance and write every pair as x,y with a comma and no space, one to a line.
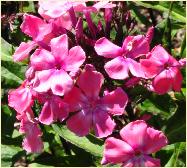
178,153
7,154
178,12
28,6
89,143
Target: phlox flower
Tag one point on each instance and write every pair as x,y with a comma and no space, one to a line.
29,126
138,142
53,109
52,67
163,69
124,57
21,98
91,110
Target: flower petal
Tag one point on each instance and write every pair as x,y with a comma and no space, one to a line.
103,124
75,59
155,141
43,80
117,68
80,123
75,102
59,47
92,86
47,115
117,151
42,60
22,52
162,83
61,83
134,134
107,49
115,101
151,162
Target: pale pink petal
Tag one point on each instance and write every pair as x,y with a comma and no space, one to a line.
159,54
107,49
59,47
75,59
90,81
102,123
80,123
103,4
61,82
151,162
42,60
135,68
47,115
135,133
63,21
177,79
151,67
117,151
115,102
162,83
44,80
35,27
155,141
75,102
22,52
20,99
117,68
32,144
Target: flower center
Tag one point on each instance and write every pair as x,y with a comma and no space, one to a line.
137,153
58,66
129,46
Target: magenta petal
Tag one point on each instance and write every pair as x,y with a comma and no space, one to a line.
107,49
59,47
155,141
177,78
151,162
47,115
162,83
103,124
20,99
44,80
115,102
135,133
61,82
80,123
135,68
75,59
22,52
35,27
150,67
42,59
159,54
76,100
117,151
90,81
32,144
117,68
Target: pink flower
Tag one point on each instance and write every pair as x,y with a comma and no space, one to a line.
52,67
32,141
124,57
53,109
91,110
21,98
164,70
138,142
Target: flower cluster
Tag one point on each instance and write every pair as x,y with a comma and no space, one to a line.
63,79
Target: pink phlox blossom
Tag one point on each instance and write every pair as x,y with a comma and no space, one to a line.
21,98
53,108
52,67
124,57
137,143
32,142
91,110
163,69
